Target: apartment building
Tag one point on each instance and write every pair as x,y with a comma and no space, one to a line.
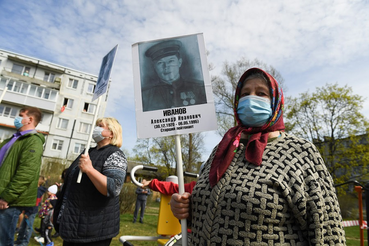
63,95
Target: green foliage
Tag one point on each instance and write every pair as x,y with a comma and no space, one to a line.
127,198
349,205
52,170
330,118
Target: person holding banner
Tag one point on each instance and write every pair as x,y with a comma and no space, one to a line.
87,213
260,184
170,89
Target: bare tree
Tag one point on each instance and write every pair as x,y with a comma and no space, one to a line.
161,152
224,87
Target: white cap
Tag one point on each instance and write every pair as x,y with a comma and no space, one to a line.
53,189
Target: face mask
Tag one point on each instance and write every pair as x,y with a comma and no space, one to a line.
18,122
97,134
254,111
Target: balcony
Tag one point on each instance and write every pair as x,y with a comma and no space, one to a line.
31,80
16,98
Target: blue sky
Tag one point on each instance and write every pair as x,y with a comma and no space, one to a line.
310,43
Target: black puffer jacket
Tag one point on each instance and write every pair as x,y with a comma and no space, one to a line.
86,215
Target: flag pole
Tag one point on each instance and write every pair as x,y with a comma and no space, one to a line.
3,94
90,137
181,185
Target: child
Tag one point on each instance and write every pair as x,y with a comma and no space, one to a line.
48,225
44,214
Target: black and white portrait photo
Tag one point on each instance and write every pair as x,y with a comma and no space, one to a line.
171,74
173,92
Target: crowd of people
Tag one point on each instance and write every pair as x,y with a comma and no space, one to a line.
84,213
260,186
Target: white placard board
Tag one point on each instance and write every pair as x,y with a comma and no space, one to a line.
165,107
104,74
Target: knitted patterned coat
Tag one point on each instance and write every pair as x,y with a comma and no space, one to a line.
288,200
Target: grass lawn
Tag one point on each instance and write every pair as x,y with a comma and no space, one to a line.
148,228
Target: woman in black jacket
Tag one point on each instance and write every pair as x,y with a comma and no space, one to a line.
88,212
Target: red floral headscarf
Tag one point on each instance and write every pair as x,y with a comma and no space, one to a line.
258,136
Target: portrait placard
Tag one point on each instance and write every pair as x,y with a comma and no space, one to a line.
173,93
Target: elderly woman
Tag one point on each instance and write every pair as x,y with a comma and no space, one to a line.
262,186
88,212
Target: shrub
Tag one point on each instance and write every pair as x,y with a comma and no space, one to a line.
127,198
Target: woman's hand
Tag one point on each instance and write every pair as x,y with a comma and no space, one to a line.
85,164
145,183
180,205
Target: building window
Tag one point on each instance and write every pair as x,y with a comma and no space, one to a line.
26,71
89,108
53,95
62,123
4,135
68,103
24,88
57,144
10,85
8,111
49,77
47,94
17,86
78,147
39,91
3,83
84,127
31,90
18,69
91,88
73,83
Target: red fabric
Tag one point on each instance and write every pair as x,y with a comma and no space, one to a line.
169,188
38,201
62,109
258,136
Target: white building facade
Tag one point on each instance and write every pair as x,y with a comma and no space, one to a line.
63,95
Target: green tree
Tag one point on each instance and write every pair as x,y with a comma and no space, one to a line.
331,118
224,87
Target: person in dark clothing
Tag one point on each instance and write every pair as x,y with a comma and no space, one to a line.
87,213
60,187
48,225
44,211
142,195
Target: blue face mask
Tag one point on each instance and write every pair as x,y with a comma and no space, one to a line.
254,111
18,122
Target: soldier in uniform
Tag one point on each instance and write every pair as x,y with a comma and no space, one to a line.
170,89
